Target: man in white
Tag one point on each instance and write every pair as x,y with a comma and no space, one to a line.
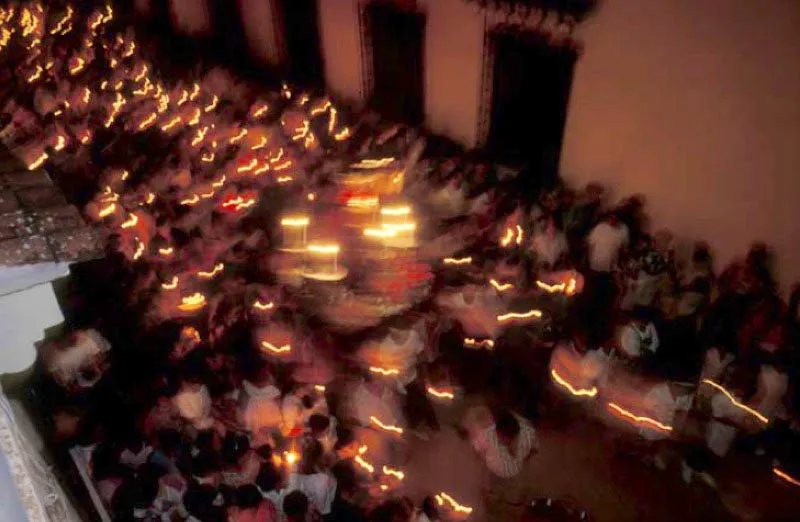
505,447
639,338
605,242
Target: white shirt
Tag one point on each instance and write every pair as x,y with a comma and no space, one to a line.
549,249
605,243
496,455
662,406
635,342
320,488
194,405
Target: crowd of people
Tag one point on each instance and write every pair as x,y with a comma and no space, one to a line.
204,387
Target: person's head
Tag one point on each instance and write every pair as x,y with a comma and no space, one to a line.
199,502
234,447
640,316
312,454
295,506
205,468
506,426
264,452
269,478
247,497
169,442
429,508
318,424
346,444
701,256
390,511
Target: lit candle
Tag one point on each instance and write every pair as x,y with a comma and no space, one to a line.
294,231
325,253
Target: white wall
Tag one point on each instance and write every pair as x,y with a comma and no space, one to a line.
341,48
695,105
453,69
260,30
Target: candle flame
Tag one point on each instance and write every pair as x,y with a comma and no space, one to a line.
332,121
213,105
166,251
643,421
258,305
484,343
443,497
291,457
551,289
261,111
508,238
342,134
457,261
219,267
519,235
500,287
260,145
785,476
395,211
194,200
139,249
736,403
132,221
385,427
250,166
295,222
147,122
372,163
363,201
364,464
174,121
440,394
286,348
238,137
384,371
107,211
38,162
517,315
399,475
192,303
591,392
172,285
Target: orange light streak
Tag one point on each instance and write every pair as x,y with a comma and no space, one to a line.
517,315
194,200
384,371
785,476
149,121
302,132
172,285
286,348
258,305
519,235
208,158
87,95
249,167
260,145
166,251
238,137
196,118
644,421
199,136
332,121
61,142
142,74
139,249
484,343
218,184
551,289
131,222
261,111
219,267
500,287
372,163
591,392
195,92
457,261
192,303
440,394
35,76
174,121
342,134
508,238
284,179
319,110
38,162
150,198
385,427
364,464
399,475
107,211
736,403
184,97
443,497
213,105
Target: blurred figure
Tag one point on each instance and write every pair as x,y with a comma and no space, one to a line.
638,340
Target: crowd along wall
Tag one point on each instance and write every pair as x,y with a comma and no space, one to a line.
694,105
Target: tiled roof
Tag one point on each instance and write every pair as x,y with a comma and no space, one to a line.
36,223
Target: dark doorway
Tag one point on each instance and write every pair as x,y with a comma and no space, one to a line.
531,87
397,40
229,43
301,37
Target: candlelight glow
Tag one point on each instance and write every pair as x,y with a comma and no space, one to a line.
500,287
519,235
213,105
258,305
551,289
219,267
384,371
192,303
38,162
484,343
385,427
291,457
591,392
440,394
261,111
172,285
173,122
342,134
785,476
363,202
508,238
286,348
323,249
132,221
643,421
519,315
194,200
399,475
260,145
395,211
736,403
166,251
457,261
250,166
295,222
239,203
238,137
443,497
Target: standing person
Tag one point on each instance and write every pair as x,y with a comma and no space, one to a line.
318,486
549,245
638,340
505,446
605,243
